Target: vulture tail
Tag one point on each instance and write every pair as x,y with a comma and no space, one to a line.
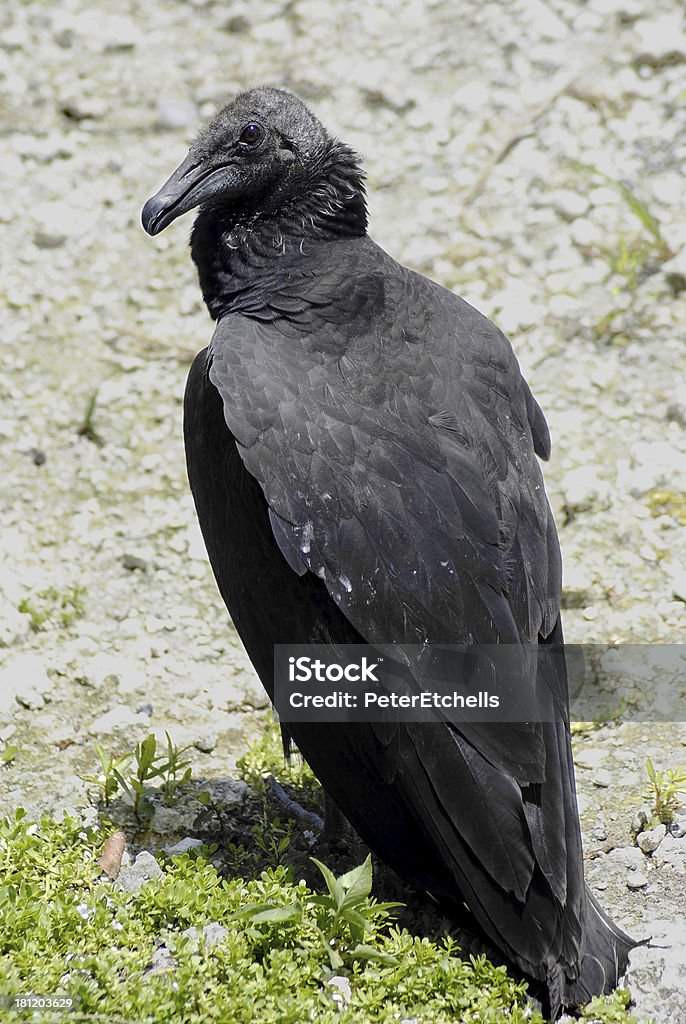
603,962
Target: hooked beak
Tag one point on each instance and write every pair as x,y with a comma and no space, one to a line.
191,184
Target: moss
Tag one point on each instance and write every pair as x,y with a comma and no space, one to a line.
53,607
669,503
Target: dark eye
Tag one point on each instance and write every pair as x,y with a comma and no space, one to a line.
251,134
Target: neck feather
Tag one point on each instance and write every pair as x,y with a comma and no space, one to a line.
238,250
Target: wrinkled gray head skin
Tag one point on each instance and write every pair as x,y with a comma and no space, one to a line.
261,149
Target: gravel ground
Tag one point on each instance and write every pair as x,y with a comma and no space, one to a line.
527,154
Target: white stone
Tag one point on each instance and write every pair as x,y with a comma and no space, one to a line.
118,717
144,869
183,846
23,680
649,841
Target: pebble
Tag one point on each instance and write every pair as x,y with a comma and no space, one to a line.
206,743
583,491
672,852
636,880
171,113
603,778
162,961
649,841
131,561
225,792
121,716
183,846
24,680
144,869
640,819
568,203
678,827
176,818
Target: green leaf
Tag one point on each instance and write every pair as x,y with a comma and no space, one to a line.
358,882
364,952
333,885
275,914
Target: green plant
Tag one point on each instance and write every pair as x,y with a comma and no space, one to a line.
66,930
272,837
634,254
265,757
54,607
169,766
664,788
112,768
8,754
87,428
174,771
346,915
671,503
149,766
610,1009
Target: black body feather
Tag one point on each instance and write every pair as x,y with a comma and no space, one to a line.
361,448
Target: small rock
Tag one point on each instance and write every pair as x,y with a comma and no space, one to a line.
671,852
603,778
599,834
206,743
13,39
640,819
178,818
174,113
212,934
23,680
48,239
131,561
227,791
162,961
583,491
13,625
80,107
183,846
568,203
650,840
636,880
678,828
674,271
577,588
626,857
144,869
585,233
121,34
677,582
118,717
237,24
56,221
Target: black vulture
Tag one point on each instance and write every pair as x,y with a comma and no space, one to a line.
361,448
